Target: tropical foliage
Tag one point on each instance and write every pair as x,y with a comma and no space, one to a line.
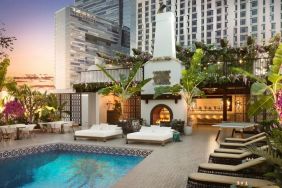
124,60
224,57
273,155
4,81
125,87
32,100
265,89
13,110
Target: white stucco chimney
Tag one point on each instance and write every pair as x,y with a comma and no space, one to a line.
165,35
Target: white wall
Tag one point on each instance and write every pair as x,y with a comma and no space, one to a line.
165,29
175,75
103,107
89,110
62,77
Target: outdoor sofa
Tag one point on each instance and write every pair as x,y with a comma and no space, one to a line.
100,132
203,180
153,134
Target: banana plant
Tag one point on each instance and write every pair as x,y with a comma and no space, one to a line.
265,88
125,87
191,79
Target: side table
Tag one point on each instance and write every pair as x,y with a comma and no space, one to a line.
176,136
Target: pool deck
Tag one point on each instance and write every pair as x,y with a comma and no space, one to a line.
167,166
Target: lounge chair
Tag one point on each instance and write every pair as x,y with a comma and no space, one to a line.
231,158
202,180
226,150
29,130
7,132
257,141
153,134
248,169
242,140
99,132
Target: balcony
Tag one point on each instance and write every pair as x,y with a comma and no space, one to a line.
97,76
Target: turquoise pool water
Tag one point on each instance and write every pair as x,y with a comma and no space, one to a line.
65,169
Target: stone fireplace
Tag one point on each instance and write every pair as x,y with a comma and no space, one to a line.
161,113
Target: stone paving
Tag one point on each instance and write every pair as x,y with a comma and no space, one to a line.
167,166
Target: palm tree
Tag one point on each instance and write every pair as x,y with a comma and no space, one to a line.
125,87
4,81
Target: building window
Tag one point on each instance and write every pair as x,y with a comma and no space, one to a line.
209,20
244,29
209,27
243,14
254,20
243,6
210,13
273,25
254,4
254,12
243,21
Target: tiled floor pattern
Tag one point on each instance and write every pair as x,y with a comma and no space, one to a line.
167,166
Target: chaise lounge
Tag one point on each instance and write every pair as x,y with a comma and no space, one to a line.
231,145
232,158
243,140
248,169
154,134
196,180
100,132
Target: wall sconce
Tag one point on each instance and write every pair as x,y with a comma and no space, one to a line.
238,104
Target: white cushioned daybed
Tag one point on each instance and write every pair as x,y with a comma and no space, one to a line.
154,134
99,132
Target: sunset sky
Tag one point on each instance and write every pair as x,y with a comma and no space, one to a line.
32,23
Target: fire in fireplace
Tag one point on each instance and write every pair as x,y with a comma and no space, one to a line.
161,113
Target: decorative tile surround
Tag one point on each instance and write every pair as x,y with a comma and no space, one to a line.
19,152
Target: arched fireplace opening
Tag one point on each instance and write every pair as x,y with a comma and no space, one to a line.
161,113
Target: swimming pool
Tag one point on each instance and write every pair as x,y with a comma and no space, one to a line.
59,167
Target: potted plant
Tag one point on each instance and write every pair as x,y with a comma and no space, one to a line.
192,77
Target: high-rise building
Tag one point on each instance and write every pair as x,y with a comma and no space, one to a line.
209,21
115,10
79,36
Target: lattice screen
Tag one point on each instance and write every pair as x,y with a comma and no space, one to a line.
132,108
72,109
